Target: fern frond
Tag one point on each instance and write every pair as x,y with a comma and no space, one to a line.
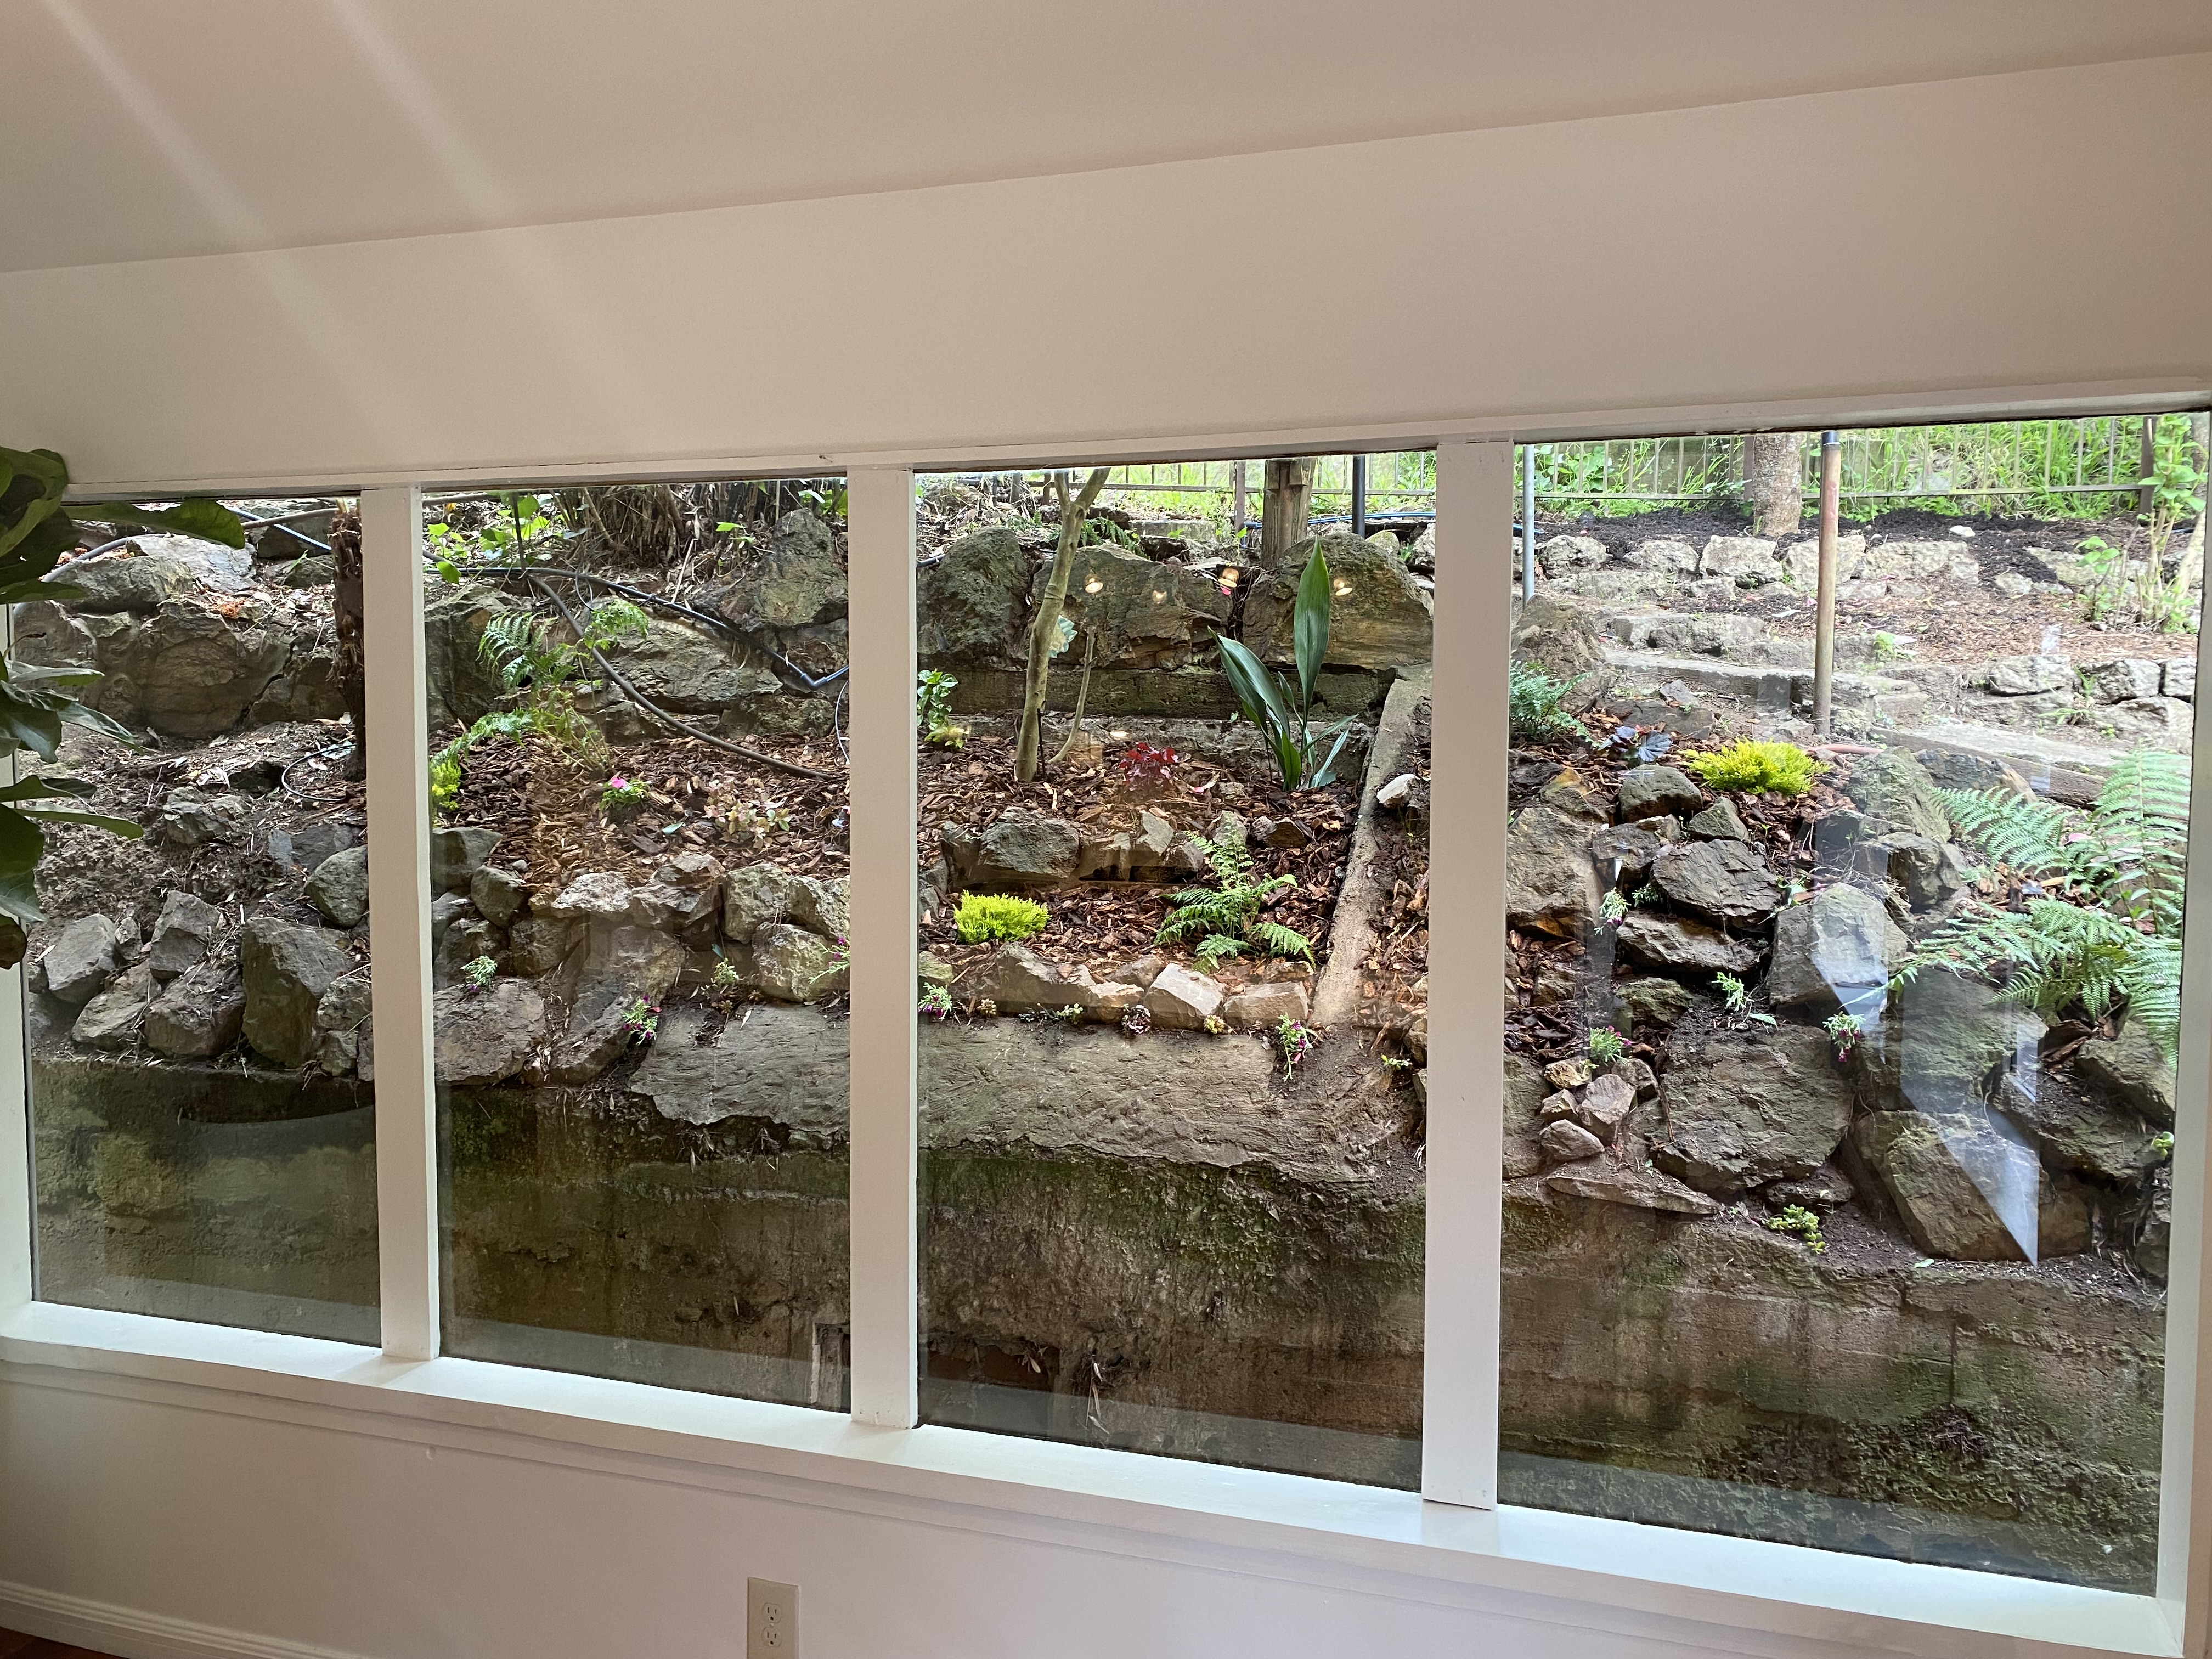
2026,833
2151,976
1217,948
1281,941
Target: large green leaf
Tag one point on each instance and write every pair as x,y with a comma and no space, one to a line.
29,720
207,519
21,845
32,516
1309,624
129,828
1258,690
46,788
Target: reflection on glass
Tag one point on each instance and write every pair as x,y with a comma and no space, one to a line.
1840,1081
198,1003
638,925
1173,980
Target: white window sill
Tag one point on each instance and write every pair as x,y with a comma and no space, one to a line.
1561,1569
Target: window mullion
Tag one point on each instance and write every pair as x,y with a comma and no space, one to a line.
1466,1029
16,1198
885,1334
400,918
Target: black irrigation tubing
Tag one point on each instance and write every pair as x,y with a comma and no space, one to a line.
655,709
674,607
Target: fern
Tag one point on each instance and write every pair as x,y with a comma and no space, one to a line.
1532,700
1225,918
2112,934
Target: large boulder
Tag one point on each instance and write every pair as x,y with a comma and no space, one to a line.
339,887
1559,639
797,582
755,896
1380,618
1680,946
1753,1108
1551,885
112,1019
1943,1043
688,670
79,962
2131,1069
286,970
1892,785
1968,1191
2078,1134
1723,881
186,671
1022,848
200,1015
487,1037
186,926
1142,613
1655,790
462,687
1021,981
151,571
1834,953
970,604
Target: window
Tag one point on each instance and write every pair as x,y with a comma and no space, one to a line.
638,932
1170,1086
197,1011
1840,1083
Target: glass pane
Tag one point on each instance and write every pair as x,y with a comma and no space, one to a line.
1840,1082
197,998
636,709
1173,1001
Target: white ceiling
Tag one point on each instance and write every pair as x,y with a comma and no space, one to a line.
147,129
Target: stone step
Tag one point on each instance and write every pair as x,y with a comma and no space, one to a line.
2068,772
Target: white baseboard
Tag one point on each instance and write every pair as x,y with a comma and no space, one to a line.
131,1633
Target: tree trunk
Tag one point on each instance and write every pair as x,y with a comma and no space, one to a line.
2192,572
1045,625
352,665
1285,508
1773,482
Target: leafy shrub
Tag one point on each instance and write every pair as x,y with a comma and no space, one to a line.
1732,992
1532,700
1264,697
1803,1223
622,796
932,710
1606,1046
1142,763
479,972
1768,768
2108,927
1226,920
984,918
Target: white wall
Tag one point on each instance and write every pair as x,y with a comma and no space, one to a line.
2039,230
2033,230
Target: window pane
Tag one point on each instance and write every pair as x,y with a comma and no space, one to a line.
1171,1001
636,708
1840,1083
197,1003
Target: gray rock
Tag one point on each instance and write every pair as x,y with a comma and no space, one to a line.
1827,1188
198,1015
1749,559
1142,613
1802,561
2019,677
466,940
2090,1137
1719,822
1834,953
779,1065
316,570
1264,1007
286,970
486,1037
2152,718
1650,791
1561,554
1019,981
2130,1069
2178,679
1564,1142
972,603
462,686
687,670
753,897
183,931
1550,885
500,896
339,887
1179,998
1653,1001
1640,1189
189,818
822,907
683,896
446,909
536,946
1724,881
1967,1192
309,687
1696,633
342,1019
797,582
80,960
1943,1042
1918,562
1559,639
1662,553
1752,1109
599,896
1525,1088
1624,854
1600,1108
1926,872
1893,787
2122,678
1380,618
457,853
1024,848
1681,945
112,1019
792,965
304,849
187,672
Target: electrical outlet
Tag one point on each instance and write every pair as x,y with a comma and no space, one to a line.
771,1619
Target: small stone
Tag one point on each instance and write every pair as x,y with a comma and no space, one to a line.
80,960
1653,1001
1566,1143
183,931
189,818
1393,794
1640,1189
1262,1007
1564,553
1827,1188
1624,852
1719,822
536,946
820,907
340,1018
600,897
339,887
485,1038
794,965
1605,1104
1683,945
1550,886
1290,834
1180,999
2019,677
1650,791
457,853
112,1019
1567,1073
753,896
1024,848
500,896
1231,830
2130,1068
198,1016
683,895
2011,585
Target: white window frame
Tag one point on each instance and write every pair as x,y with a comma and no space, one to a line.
1453,1536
